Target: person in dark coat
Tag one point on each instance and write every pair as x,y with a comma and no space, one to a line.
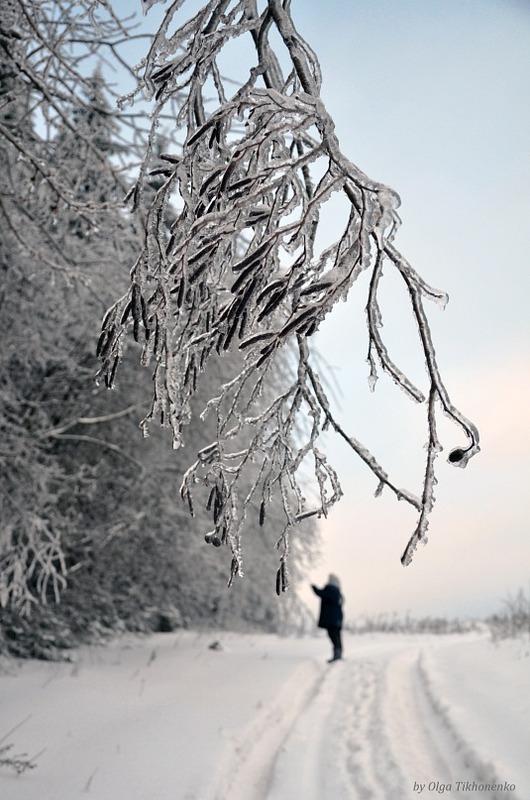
331,615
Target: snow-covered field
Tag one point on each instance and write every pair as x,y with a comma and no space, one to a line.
168,717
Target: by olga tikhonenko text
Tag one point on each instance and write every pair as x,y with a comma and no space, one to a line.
462,786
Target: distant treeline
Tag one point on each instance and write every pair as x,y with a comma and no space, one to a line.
394,623
511,621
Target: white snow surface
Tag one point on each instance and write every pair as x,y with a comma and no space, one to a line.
263,717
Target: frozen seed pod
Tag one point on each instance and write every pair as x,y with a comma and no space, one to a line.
456,455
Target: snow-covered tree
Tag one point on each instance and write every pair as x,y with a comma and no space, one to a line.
49,51
48,312
246,266
63,244
90,512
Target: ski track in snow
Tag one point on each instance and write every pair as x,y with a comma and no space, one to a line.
264,718
361,729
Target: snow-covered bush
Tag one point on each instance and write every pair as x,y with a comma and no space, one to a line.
513,620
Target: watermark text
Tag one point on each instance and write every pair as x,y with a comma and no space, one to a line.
462,786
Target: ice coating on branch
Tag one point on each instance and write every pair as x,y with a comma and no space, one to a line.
372,378
146,4
236,263
440,298
460,457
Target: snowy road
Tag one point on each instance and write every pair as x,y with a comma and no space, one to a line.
365,728
265,718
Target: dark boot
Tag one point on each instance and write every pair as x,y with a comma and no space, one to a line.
337,655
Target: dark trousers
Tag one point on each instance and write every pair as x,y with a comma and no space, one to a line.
335,636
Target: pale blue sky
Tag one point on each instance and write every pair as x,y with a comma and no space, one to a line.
432,98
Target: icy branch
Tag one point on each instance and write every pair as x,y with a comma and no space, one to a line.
230,263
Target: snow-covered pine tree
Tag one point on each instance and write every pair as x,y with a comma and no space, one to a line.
58,275
50,51
63,245
245,266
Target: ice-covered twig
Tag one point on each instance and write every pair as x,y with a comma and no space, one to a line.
230,264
